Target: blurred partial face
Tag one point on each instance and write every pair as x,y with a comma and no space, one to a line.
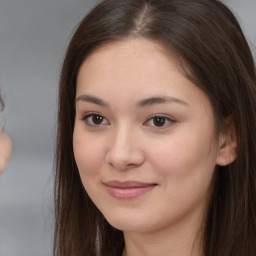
5,151
144,138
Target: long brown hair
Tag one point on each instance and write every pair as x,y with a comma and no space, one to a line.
214,54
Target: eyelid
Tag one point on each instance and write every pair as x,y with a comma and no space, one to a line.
87,115
170,120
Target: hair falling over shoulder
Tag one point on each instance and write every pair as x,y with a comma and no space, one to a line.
209,42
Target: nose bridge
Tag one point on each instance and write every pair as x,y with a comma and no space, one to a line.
124,150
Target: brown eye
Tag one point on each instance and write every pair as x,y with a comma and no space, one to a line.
95,119
159,121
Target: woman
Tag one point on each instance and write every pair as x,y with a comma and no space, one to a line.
5,147
156,133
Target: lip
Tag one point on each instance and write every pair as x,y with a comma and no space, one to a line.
128,189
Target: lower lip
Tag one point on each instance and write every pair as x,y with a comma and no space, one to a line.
128,193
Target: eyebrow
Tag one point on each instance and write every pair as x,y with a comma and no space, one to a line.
142,103
160,100
92,99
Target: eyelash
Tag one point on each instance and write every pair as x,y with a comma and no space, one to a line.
159,117
88,118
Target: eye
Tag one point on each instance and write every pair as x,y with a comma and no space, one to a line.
94,119
159,121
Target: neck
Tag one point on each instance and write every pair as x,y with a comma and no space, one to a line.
180,239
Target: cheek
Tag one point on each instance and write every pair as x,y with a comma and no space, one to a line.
87,154
186,159
186,173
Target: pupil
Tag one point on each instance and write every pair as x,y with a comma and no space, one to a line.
97,119
159,121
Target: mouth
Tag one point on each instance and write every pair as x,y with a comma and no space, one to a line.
128,189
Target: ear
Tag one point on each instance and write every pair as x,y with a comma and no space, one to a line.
227,152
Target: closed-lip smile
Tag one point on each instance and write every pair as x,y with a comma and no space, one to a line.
127,189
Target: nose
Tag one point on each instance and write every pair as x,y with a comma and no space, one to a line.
124,151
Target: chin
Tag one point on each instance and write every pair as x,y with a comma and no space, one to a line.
127,223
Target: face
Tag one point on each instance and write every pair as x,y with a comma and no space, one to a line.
5,151
144,138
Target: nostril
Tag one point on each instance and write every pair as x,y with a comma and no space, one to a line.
124,160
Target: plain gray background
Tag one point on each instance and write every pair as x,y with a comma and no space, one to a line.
33,38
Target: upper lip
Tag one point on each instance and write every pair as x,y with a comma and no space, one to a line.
128,184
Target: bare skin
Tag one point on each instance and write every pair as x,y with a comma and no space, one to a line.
146,147
5,151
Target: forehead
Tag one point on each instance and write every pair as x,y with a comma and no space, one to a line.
126,72
132,60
